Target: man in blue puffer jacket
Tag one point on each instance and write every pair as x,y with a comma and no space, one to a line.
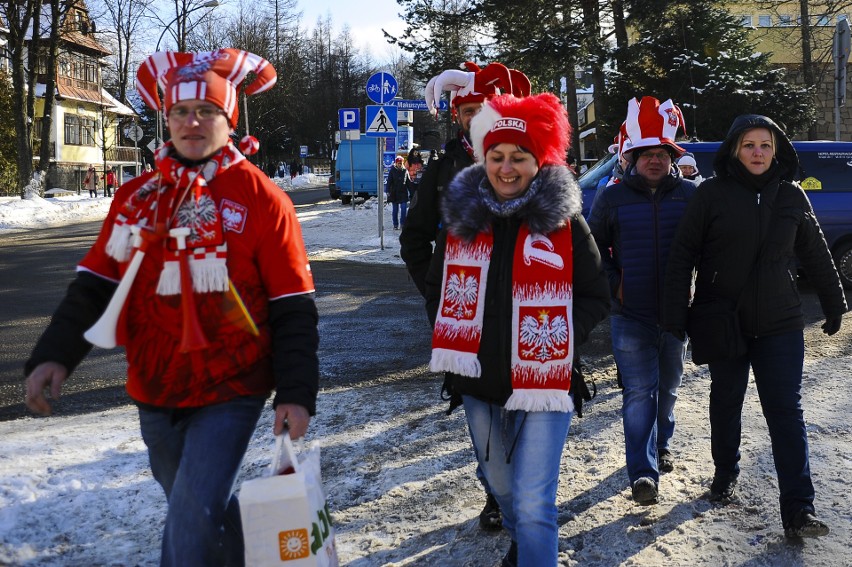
633,223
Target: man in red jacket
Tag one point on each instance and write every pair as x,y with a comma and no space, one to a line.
219,309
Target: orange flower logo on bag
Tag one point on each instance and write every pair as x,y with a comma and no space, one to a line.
293,544
462,292
545,331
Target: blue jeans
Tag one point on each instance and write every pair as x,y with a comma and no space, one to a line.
520,453
195,456
398,211
777,364
651,365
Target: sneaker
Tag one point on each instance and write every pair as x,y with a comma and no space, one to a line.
723,488
491,518
645,490
805,524
511,557
665,460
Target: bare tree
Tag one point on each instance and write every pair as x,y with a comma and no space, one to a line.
33,48
124,22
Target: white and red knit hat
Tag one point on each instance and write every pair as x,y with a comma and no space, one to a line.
651,123
472,85
536,123
212,76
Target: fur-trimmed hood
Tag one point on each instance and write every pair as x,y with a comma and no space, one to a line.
557,200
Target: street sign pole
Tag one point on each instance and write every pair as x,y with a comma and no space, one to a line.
352,175
380,190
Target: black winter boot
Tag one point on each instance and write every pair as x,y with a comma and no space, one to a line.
491,519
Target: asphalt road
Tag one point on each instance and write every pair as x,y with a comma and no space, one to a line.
372,321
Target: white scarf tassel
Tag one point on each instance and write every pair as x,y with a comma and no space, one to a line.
462,363
540,400
209,275
119,244
169,283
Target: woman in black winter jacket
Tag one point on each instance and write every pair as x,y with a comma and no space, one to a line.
744,230
514,285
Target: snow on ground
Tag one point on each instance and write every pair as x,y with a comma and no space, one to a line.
76,491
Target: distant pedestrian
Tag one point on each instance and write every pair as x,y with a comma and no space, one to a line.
91,181
110,182
689,168
396,189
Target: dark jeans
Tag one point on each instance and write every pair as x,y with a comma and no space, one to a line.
195,456
777,364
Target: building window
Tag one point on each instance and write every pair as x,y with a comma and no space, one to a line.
785,20
823,20
746,22
64,67
764,21
79,131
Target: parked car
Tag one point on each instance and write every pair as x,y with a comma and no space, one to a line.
826,175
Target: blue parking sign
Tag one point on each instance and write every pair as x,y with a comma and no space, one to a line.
349,118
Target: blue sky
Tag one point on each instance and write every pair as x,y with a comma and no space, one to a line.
365,19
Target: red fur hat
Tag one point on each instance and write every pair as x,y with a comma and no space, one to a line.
651,123
212,76
537,123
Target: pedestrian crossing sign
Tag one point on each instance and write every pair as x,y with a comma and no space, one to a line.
381,121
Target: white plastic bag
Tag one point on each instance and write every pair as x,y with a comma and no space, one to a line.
285,517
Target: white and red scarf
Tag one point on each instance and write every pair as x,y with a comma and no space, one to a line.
179,196
542,316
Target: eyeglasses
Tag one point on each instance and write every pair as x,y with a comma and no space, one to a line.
660,155
202,113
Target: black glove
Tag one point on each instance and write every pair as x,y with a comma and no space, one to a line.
832,325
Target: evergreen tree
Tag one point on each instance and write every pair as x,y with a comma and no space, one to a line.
699,56
8,148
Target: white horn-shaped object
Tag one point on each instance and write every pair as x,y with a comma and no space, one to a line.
103,333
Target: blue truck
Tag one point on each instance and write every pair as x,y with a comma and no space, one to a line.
359,180
826,175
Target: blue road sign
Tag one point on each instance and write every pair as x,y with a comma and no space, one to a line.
381,121
303,151
381,87
349,118
403,104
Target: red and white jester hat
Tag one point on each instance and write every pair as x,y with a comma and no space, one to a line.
212,76
473,85
537,123
618,141
652,123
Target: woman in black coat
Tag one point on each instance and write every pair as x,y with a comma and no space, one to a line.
514,286
396,189
744,230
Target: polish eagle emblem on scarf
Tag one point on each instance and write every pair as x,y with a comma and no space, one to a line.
462,292
544,333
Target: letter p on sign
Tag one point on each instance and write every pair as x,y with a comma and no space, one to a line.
350,118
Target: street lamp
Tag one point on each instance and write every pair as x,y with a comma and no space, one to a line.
180,19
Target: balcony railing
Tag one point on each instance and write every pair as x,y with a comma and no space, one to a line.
122,153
